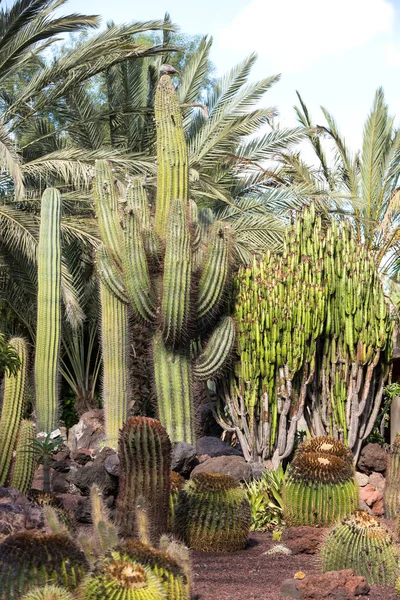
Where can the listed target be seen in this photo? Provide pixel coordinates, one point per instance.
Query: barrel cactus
(145, 465)
(320, 486)
(360, 542)
(29, 559)
(164, 567)
(123, 580)
(177, 483)
(213, 513)
(392, 491)
(48, 592)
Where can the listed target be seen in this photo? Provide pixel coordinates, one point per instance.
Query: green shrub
(265, 500)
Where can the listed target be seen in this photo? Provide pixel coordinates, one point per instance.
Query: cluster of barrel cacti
(163, 273)
(320, 487)
(314, 331)
(213, 513)
(362, 543)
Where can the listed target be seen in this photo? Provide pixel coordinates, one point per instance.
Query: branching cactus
(24, 465)
(363, 544)
(213, 514)
(31, 559)
(162, 271)
(48, 331)
(392, 491)
(14, 401)
(319, 486)
(145, 465)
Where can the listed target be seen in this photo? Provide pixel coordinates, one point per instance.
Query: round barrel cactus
(30, 559)
(48, 592)
(121, 579)
(363, 544)
(213, 514)
(164, 567)
(320, 487)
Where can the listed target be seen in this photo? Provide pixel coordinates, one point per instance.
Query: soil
(252, 575)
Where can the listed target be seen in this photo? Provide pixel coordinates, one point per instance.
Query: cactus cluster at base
(392, 490)
(145, 465)
(31, 559)
(320, 486)
(213, 514)
(363, 544)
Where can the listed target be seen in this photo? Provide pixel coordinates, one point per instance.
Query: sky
(336, 53)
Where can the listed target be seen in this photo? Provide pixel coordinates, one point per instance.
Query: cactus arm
(173, 383)
(215, 272)
(172, 157)
(136, 271)
(106, 206)
(110, 274)
(13, 406)
(48, 332)
(175, 304)
(23, 468)
(114, 343)
(212, 361)
(136, 198)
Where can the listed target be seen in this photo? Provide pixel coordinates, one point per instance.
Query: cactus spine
(319, 486)
(363, 544)
(314, 339)
(24, 466)
(48, 592)
(14, 401)
(153, 268)
(114, 344)
(213, 514)
(48, 329)
(145, 462)
(392, 491)
(31, 559)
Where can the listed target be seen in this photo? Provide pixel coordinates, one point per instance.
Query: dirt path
(251, 575)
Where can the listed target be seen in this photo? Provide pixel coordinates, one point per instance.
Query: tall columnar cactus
(151, 268)
(31, 559)
(114, 345)
(363, 544)
(314, 341)
(48, 329)
(14, 402)
(48, 592)
(121, 580)
(145, 463)
(24, 465)
(392, 491)
(320, 486)
(213, 514)
(164, 567)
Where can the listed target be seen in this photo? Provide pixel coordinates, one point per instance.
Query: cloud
(293, 34)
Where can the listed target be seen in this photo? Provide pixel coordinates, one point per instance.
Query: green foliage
(9, 357)
(362, 543)
(319, 486)
(265, 497)
(145, 464)
(310, 333)
(31, 559)
(42, 451)
(213, 514)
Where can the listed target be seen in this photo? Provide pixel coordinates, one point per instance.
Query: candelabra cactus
(14, 402)
(213, 514)
(48, 331)
(392, 491)
(31, 559)
(151, 269)
(164, 567)
(48, 592)
(122, 579)
(314, 340)
(319, 486)
(363, 544)
(24, 465)
(145, 465)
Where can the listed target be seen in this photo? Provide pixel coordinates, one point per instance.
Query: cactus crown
(128, 574)
(43, 498)
(146, 555)
(48, 592)
(327, 445)
(177, 482)
(323, 460)
(214, 482)
(370, 526)
(42, 547)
